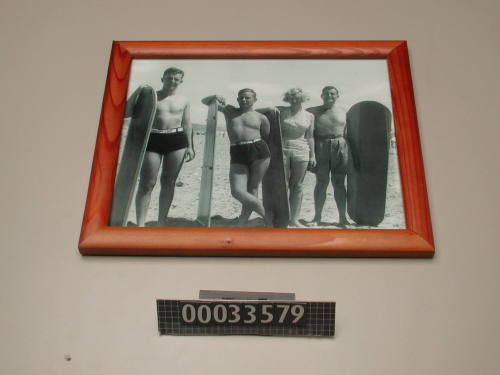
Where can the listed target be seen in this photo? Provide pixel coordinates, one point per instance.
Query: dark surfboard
(368, 129)
(207, 172)
(274, 192)
(133, 156)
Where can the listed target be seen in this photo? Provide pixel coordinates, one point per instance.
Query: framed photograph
(282, 148)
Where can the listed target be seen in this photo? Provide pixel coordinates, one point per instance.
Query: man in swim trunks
(331, 153)
(250, 156)
(169, 144)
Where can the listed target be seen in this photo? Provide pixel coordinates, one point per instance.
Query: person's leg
(322, 172)
(246, 211)
(287, 159)
(238, 179)
(147, 181)
(340, 194)
(286, 166)
(339, 173)
(256, 173)
(297, 174)
(322, 181)
(172, 164)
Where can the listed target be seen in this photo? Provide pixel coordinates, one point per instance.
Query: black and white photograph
(250, 188)
(258, 143)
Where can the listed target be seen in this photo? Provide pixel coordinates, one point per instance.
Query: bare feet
(162, 223)
(313, 223)
(295, 224)
(343, 223)
(242, 221)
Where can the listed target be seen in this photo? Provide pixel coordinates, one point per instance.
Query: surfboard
(207, 172)
(368, 129)
(274, 192)
(133, 155)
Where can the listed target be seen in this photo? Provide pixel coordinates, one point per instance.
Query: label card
(224, 317)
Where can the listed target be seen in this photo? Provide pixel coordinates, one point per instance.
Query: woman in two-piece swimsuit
(297, 128)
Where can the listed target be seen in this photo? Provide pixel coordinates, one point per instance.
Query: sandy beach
(183, 211)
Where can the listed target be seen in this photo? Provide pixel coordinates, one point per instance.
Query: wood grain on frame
(97, 238)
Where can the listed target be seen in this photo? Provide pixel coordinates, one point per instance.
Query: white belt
(167, 131)
(246, 142)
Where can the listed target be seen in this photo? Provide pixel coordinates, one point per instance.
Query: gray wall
(436, 316)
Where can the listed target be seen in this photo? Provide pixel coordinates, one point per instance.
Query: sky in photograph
(357, 80)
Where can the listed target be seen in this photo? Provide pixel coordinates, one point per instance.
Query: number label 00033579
(248, 313)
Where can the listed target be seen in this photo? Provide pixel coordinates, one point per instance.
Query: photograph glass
(253, 143)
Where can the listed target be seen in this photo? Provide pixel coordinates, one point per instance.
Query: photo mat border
(98, 238)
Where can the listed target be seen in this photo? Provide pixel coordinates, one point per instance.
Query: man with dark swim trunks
(250, 156)
(169, 144)
(331, 153)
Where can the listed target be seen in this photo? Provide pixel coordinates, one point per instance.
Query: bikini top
(294, 126)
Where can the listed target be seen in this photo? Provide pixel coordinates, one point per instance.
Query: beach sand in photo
(225, 208)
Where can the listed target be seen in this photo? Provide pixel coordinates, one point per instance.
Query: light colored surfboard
(133, 156)
(207, 172)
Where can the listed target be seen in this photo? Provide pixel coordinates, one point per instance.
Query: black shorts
(164, 143)
(248, 153)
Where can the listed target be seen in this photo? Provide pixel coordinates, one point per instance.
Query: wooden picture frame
(416, 240)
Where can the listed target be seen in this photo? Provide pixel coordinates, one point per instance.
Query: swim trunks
(164, 142)
(297, 150)
(332, 155)
(246, 153)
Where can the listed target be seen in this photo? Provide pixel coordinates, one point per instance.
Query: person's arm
(221, 101)
(265, 128)
(132, 101)
(188, 130)
(352, 151)
(268, 109)
(310, 140)
(311, 110)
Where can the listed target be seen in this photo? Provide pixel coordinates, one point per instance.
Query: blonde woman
(297, 129)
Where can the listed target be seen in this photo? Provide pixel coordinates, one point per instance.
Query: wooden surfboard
(274, 192)
(207, 172)
(133, 155)
(368, 129)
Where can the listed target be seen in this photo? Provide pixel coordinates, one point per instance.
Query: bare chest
(171, 107)
(331, 118)
(247, 120)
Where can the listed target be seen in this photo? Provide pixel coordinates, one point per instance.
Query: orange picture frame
(416, 240)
